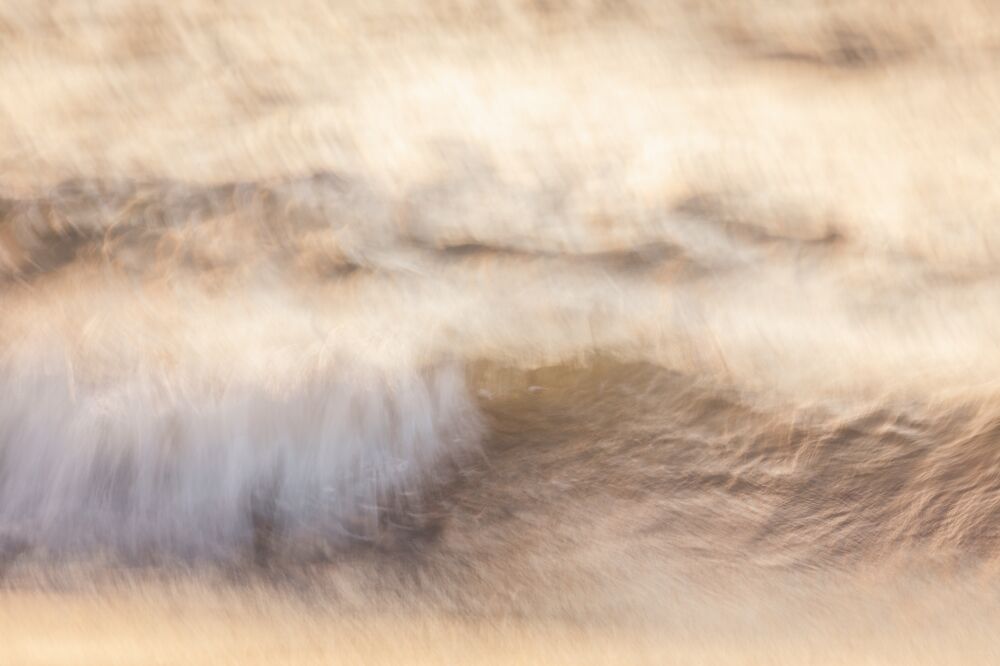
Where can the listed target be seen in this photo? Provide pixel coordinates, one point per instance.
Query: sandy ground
(208, 627)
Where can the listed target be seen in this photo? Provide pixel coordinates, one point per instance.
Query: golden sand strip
(201, 626)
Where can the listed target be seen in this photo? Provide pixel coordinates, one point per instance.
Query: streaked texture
(554, 324)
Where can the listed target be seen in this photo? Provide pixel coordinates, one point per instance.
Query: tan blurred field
(203, 630)
(551, 331)
(744, 134)
(191, 626)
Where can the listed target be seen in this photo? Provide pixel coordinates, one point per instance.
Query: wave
(550, 307)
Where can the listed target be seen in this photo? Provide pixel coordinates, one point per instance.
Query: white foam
(151, 462)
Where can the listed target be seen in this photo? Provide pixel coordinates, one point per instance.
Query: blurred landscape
(551, 331)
